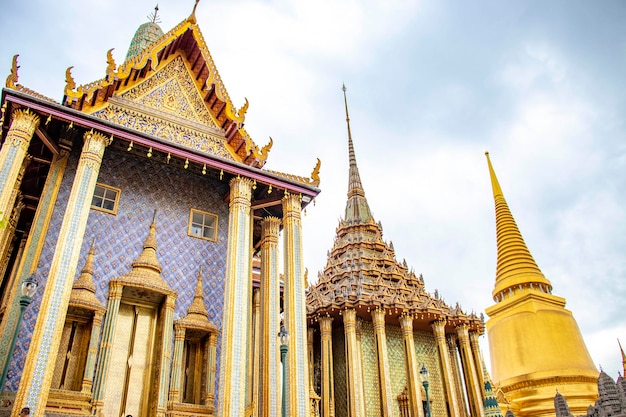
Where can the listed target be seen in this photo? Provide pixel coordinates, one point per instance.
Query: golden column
(256, 349)
(32, 251)
(113, 308)
(295, 308)
(478, 361)
(457, 374)
(209, 397)
(166, 353)
(232, 382)
(448, 381)
(384, 380)
(177, 362)
(92, 353)
(37, 374)
(269, 403)
(354, 373)
(328, 388)
(412, 367)
(469, 369)
(12, 155)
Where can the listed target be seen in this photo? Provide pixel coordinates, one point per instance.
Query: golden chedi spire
(516, 267)
(535, 344)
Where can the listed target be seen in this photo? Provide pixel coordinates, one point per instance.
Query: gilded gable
(168, 105)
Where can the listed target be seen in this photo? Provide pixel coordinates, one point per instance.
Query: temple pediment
(169, 106)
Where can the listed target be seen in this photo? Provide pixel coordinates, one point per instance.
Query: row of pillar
(354, 373)
(235, 375)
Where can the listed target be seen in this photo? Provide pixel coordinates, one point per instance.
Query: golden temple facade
(535, 345)
(137, 204)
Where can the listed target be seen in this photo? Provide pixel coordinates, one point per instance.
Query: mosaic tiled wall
(339, 372)
(428, 355)
(119, 238)
(397, 364)
(370, 370)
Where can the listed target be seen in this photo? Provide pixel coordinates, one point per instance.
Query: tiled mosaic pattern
(119, 238)
(428, 355)
(339, 372)
(370, 370)
(397, 364)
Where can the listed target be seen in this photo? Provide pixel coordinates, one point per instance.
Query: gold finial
(186, 163)
(192, 16)
(497, 191)
(70, 84)
(110, 71)
(221, 174)
(169, 156)
(12, 78)
(204, 169)
(623, 357)
(130, 146)
(315, 175)
(48, 119)
(149, 154)
(153, 17)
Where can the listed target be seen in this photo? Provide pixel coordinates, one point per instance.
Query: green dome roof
(145, 35)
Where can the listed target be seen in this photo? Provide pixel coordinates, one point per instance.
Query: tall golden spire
(516, 269)
(357, 209)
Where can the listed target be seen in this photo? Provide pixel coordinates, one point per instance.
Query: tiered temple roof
(362, 271)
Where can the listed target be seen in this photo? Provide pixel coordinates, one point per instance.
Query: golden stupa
(535, 345)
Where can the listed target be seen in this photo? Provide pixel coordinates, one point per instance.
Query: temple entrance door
(131, 365)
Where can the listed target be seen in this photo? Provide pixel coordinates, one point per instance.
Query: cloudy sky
(431, 86)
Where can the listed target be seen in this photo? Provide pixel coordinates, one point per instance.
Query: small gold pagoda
(534, 342)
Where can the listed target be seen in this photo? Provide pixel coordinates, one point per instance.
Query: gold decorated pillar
(166, 354)
(12, 156)
(295, 308)
(209, 396)
(478, 361)
(37, 374)
(113, 308)
(328, 388)
(232, 381)
(457, 374)
(92, 353)
(32, 250)
(256, 356)
(177, 363)
(9, 227)
(269, 403)
(384, 379)
(444, 356)
(469, 370)
(412, 367)
(354, 372)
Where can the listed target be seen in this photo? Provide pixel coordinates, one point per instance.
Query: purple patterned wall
(119, 238)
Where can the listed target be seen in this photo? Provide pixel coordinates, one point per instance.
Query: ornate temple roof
(362, 271)
(516, 267)
(144, 86)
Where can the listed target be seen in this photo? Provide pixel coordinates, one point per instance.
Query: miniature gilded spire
(84, 290)
(357, 209)
(197, 307)
(515, 266)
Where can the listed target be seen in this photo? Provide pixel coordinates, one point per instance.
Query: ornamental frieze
(179, 134)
